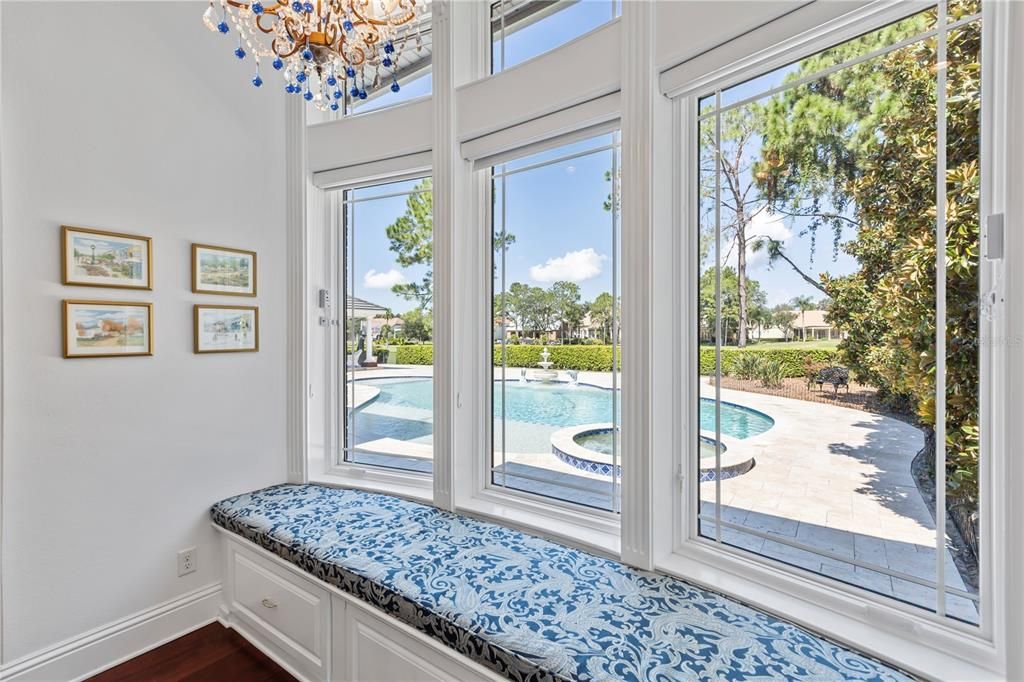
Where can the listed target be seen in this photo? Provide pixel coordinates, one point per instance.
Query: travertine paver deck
(839, 480)
(827, 477)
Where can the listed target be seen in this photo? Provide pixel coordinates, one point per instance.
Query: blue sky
(555, 238)
(556, 212)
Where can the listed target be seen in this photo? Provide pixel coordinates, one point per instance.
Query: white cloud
(574, 266)
(383, 280)
(764, 224)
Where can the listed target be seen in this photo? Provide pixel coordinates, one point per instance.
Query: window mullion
(718, 323)
(940, 312)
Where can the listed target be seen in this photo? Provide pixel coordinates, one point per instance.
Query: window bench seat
(523, 607)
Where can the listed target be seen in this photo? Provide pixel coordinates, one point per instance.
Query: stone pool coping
(735, 458)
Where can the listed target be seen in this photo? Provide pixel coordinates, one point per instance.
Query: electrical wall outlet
(186, 561)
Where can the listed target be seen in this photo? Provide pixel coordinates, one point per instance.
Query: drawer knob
(269, 604)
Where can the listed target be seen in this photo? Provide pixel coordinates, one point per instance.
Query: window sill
(592, 533)
(923, 647)
(410, 487)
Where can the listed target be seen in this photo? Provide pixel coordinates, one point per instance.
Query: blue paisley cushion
(525, 607)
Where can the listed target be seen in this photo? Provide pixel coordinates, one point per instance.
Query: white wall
(132, 117)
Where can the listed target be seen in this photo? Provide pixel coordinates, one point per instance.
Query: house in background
(811, 325)
(378, 324)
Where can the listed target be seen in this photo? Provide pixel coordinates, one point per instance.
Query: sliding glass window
(838, 313)
(556, 324)
(387, 392)
(523, 29)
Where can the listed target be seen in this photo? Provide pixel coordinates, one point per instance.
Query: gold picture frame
(222, 333)
(99, 325)
(228, 257)
(125, 260)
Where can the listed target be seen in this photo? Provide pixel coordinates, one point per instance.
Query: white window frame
(333, 469)
(544, 14)
(464, 106)
(926, 642)
(592, 529)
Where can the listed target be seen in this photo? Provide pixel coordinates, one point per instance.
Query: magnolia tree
(855, 153)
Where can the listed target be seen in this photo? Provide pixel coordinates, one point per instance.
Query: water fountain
(546, 374)
(522, 375)
(574, 377)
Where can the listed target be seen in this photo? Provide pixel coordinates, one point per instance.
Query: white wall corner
(107, 646)
(638, 93)
(297, 192)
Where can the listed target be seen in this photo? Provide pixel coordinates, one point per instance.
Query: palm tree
(803, 303)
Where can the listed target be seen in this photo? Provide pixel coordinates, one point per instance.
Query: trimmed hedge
(599, 358)
(583, 358)
(792, 359)
(413, 355)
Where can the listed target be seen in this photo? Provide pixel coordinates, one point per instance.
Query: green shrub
(792, 359)
(590, 358)
(746, 365)
(415, 355)
(582, 358)
(771, 371)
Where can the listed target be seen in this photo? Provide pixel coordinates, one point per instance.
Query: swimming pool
(404, 410)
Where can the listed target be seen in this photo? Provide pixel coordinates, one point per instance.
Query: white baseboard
(94, 651)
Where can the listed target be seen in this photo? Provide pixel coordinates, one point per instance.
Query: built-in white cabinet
(318, 632)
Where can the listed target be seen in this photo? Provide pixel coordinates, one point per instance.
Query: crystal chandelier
(323, 48)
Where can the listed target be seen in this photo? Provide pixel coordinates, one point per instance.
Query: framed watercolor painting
(96, 258)
(101, 329)
(227, 329)
(220, 270)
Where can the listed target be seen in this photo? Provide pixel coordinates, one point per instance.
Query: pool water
(601, 441)
(404, 410)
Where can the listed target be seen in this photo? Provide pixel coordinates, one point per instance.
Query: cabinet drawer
(291, 613)
(371, 646)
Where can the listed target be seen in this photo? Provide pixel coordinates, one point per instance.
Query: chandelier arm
(296, 45)
(361, 59)
(297, 37)
(268, 29)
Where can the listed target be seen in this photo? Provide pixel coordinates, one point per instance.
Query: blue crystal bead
(307, 54)
(389, 48)
(257, 81)
(301, 76)
(277, 64)
(308, 7)
(354, 92)
(386, 61)
(350, 72)
(222, 27)
(334, 106)
(362, 94)
(395, 87)
(347, 25)
(240, 53)
(338, 94)
(332, 81)
(297, 6)
(289, 88)
(257, 8)
(308, 96)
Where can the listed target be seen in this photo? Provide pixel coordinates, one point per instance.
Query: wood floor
(210, 654)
